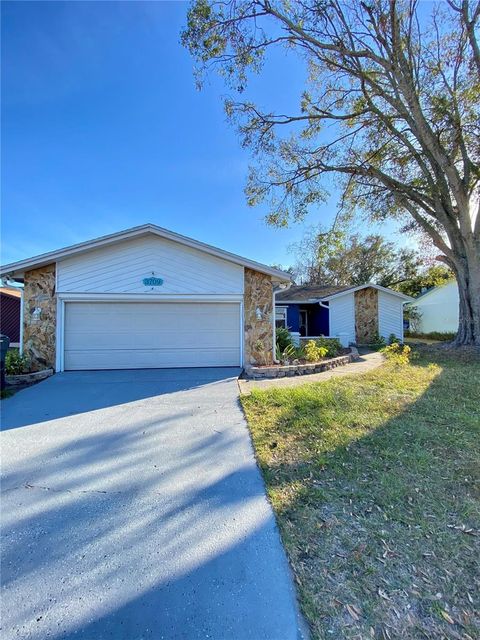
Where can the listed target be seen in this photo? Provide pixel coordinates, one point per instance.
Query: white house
(146, 298)
(438, 309)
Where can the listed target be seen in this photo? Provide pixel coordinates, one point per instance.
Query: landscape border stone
(281, 371)
(28, 378)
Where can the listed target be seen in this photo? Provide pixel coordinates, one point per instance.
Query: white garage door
(125, 335)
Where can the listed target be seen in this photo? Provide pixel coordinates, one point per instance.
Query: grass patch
(439, 336)
(373, 482)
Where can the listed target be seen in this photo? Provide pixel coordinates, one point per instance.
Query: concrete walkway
(367, 362)
(132, 508)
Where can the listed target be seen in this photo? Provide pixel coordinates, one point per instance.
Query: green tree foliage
(391, 107)
(433, 276)
(340, 259)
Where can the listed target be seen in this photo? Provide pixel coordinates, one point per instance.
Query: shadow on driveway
(72, 392)
(134, 509)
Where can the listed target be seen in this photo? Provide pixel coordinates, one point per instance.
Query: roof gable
(17, 268)
(369, 285)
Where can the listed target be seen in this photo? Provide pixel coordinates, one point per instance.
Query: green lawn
(373, 482)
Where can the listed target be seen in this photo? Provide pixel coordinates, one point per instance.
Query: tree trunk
(467, 273)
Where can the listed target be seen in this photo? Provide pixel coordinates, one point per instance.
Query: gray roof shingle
(308, 292)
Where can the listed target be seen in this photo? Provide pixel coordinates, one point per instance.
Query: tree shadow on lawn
(378, 522)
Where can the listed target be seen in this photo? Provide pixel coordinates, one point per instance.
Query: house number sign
(152, 282)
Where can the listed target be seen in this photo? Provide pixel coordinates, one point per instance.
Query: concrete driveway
(132, 508)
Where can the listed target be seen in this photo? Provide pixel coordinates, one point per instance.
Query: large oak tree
(391, 106)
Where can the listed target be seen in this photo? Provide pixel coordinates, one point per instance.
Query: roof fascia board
(90, 245)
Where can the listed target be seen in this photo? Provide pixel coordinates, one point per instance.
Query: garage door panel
(148, 359)
(84, 341)
(102, 335)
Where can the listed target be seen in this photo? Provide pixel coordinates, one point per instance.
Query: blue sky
(103, 129)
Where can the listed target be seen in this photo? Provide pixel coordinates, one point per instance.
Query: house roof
(17, 269)
(307, 293)
(317, 293)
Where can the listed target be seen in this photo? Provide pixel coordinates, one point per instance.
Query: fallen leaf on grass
(383, 594)
(354, 611)
(446, 617)
(463, 529)
(386, 633)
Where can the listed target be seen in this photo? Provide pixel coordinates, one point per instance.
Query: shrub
(289, 353)
(283, 338)
(16, 364)
(332, 345)
(378, 339)
(392, 338)
(378, 342)
(300, 352)
(398, 353)
(313, 352)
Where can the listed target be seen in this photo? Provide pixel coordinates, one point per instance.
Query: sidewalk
(367, 362)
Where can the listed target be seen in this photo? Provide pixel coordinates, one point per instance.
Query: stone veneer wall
(40, 317)
(258, 294)
(366, 315)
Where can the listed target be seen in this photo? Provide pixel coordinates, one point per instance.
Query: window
(281, 317)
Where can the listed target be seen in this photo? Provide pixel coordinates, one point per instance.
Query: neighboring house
(353, 314)
(438, 309)
(10, 312)
(146, 298)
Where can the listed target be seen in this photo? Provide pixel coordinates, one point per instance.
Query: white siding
(342, 316)
(120, 268)
(439, 309)
(390, 315)
(126, 335)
